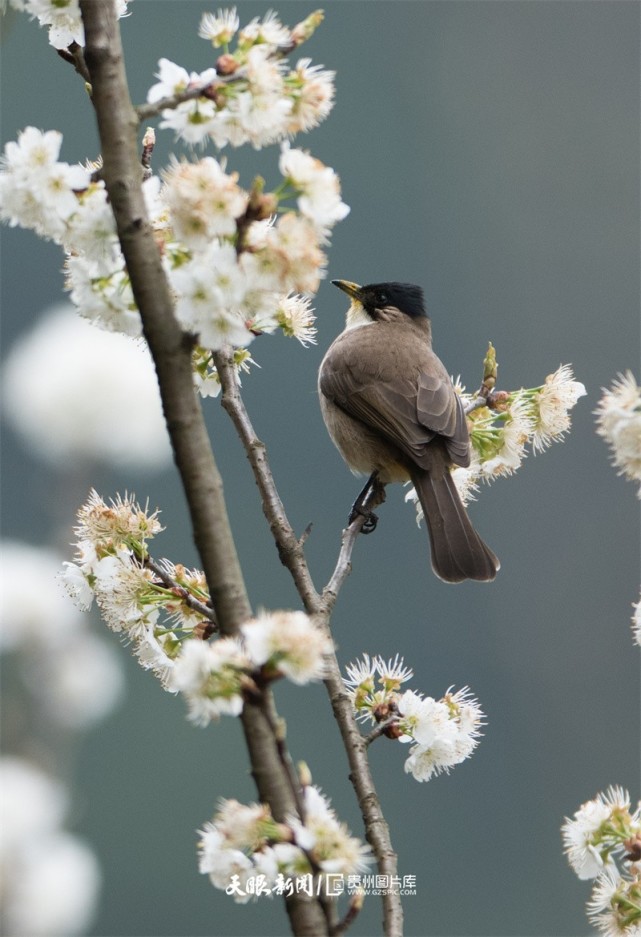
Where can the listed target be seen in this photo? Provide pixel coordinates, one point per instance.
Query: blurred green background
(490, 152)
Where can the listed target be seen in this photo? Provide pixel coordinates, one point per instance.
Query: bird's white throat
(356, 316)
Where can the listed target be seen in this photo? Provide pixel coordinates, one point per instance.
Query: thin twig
(290, 549)
(74, 54)
(184, 594)
(351, 914)
(381, 729)
(320, 606)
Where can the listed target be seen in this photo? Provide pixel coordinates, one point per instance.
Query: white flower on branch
(191, 120)
(125, 594)
(289, 643)
(499, 437)
(91, 232)
(446, 731)
(510, 451)
(268, 31)
(318, 187)
(312, 89)
(618, 418)
(211, 678)
(62, 17)
(210, 291)
(37, 191)
(204, 202)
(599, 828)
(295, 317)
(614, 908)
(245, 841)
(334, 848)
(555, 399)
(220, 28)
(122, 521)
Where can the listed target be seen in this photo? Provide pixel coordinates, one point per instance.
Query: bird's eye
(382, 297)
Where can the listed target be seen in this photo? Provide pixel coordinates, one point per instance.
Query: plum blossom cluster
(236, 270)
(603, 843)
(244, 842)
(240, 262)
(618, 417)
(500, 436)
(164, 610)
(62, 17)
(215, 678)
(250, 95)
(442, 732)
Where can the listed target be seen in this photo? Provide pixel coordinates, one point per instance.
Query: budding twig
(184, 594)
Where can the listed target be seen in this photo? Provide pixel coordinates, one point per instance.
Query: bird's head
(374, 301)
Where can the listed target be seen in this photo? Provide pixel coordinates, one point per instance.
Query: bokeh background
(490, 152)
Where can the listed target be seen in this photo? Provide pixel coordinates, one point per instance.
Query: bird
(391, 410)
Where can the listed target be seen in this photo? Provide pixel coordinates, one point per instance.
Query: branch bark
(171, 351)
(290, 550)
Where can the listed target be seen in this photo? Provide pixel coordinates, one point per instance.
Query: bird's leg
(370, 497)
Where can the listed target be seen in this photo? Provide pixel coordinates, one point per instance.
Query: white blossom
(334, 849)
(553, 403)
(204, 202)
(636, 623)
(445, 731)
(393, 673)
(109, 526)
(92, 231)
(516, 430)
(585, 836)
(35, 611)
(312, 89)
(288, 642)
(244, 826)
(77, 683)
(269, 31)
(619, 422)
(295, 317)
(151, 651)
(125, 594)
(614, 907)
(318, 185)
(191, 120)
(210, 676)
(62, 17)
(220, 28)
(37, 191)
(74, 393)
(210, 292)
(50, 879)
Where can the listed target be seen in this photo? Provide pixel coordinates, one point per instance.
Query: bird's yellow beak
(352, 289)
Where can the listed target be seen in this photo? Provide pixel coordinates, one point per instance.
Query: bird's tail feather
(458, 552)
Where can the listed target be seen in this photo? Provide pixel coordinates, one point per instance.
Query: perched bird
(392, 412)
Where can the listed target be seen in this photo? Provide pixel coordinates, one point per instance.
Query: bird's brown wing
(409, 399)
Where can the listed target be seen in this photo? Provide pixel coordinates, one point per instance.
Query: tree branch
(290, 550)
(171, 351)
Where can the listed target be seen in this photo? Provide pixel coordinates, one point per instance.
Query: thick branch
(117, 124)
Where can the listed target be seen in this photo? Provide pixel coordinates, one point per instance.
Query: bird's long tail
(458, 552)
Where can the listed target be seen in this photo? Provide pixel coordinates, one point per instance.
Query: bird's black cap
(406, 297)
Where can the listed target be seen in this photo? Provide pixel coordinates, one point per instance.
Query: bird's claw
(370, 522)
